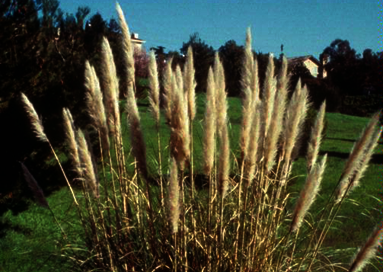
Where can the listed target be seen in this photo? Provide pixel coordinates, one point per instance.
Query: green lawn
(33, 235)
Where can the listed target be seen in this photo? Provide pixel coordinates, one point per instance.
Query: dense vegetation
(43, 56)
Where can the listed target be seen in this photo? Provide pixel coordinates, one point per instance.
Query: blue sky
(303, 27)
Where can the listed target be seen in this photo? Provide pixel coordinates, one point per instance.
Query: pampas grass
(315, 138)
(189, 83)
(367, 251)
(95, 105)
(359, 158)
(243, 220)
(154, 97)
(72, 143)
(35, 120)
(210, 124)
(35, 188)
(308, 194)
(168, 90)
(88, 169)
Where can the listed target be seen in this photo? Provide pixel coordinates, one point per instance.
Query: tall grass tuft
(243, 216)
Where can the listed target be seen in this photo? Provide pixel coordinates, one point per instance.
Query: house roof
(301, 59)
(138, 40)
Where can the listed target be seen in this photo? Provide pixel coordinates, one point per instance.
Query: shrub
(241, 222)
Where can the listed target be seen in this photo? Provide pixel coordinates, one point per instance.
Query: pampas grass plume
(174, 195)
(72, 143)
(95, 104)
(209, 124)
(168, 90)
(308, 194)
(356, 155)
(154, 96)
(220, 101)
(224, 161)
(87, 162)
(136, 136)
(189, 83)
(35, 120)
(316, 137)
(347, 185)
(367, 251)
(110, 87)
(34, 186)
(127, 47)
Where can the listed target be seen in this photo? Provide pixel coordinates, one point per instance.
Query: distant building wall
(137, 43)
(313, 67)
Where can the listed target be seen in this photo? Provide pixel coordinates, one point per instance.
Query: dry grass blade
(308, 194)
(209, 124)
(316, 137)
(34, 186)
(35, 120)
(367, 251)
(154, 96)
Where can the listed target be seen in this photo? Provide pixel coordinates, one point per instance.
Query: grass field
(33, 242)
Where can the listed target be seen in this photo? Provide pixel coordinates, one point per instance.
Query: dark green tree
(343, 67)
(231, 56)
(95, 29)
(203, 58)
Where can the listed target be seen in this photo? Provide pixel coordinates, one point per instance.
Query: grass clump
(242, 221)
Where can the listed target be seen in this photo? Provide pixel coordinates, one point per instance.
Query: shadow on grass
(341, 139)
(376, 158)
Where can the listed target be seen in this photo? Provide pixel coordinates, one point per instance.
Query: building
(315, 67)
(136, 41)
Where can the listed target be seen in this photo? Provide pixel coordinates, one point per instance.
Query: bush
(362, 105)
(241, 222)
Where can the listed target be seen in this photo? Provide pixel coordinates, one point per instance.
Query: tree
(343, 67)
(95, 29)
(203, 55)
(231, 56)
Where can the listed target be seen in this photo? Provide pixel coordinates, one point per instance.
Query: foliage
(203, 58)
(353, 74)
(231, 56)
